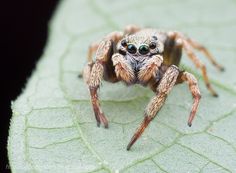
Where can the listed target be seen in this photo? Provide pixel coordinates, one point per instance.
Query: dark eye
(124, 43)
(132, 49)
(143, 49)
(152, 45)
(154, 37)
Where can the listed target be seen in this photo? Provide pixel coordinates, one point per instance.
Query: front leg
(123, 69)
(165, 86)
(95, 76)
(150, 68)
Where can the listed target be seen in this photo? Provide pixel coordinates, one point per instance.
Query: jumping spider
(148, 57)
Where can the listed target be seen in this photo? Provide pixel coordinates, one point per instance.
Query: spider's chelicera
(148, 57)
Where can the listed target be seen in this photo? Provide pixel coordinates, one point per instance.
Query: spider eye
(132, 49)
(124, 43)
(152, 45)
(154, 37)
(143, 49)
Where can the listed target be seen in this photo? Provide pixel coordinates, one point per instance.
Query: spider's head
(138, 47)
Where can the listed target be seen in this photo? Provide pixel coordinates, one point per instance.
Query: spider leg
(123, 69)
(187, 48)
(194, 89)
(131, 29)
(92, 49)
(114, 36)
(87, 69)
(87, 72)
(165, 86)
(94, 79)
(150, 69)
(95, 71)
(202, 49)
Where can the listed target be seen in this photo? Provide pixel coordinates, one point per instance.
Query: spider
(148, 57)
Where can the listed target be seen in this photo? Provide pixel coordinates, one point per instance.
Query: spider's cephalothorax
(147, 57)
(139, 51)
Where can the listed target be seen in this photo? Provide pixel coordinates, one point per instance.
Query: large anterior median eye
(132, 49)
(143, 49)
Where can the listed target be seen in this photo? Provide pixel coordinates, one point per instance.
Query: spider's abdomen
(172, 52)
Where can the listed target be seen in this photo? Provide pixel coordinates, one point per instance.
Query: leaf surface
(53, 128)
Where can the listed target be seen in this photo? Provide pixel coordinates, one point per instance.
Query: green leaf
(53, 128)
